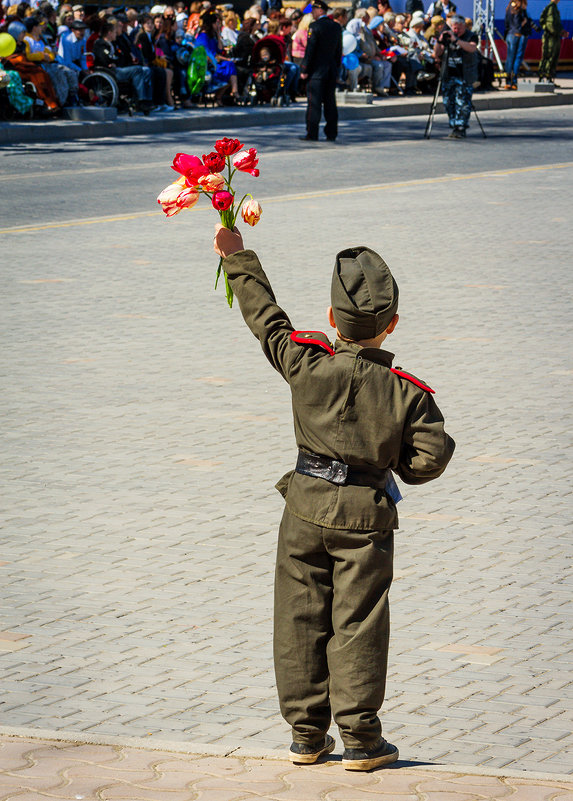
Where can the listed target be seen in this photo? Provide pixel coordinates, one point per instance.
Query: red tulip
(246, 161)
(222, 201)
(214, 162)
(190, 166)
(227, 147)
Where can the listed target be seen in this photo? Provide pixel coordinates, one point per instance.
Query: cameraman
(457, 47)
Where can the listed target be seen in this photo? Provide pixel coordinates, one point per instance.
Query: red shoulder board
(411, 378)
(312, 338)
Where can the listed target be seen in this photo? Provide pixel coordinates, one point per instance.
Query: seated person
(72, 48)
(378, 28)
(65, 19)
(64, 80)
(267, 67)
(432, 33)
(420, 52)
(17, 98)
(106, 57)
(30, 71)
(292, 70)
(194, 19)
(418, 41)
(182, 49)
(162, 77)
(181, 16)
(225, 73)
(229, 31)
(403, 65)
(50, 27)
(371, 56)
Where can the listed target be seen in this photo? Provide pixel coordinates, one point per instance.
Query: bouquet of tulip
(207, 176)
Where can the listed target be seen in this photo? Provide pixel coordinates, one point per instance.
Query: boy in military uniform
(356, 420)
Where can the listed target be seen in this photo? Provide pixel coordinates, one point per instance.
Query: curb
(232, 119)
(200, 749)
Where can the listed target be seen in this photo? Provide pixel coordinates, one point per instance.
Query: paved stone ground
(143, 433)
(33, 770)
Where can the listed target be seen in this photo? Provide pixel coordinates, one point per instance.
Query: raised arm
(268, 322)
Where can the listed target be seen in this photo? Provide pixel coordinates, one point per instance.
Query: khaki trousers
(551, 47)
(331, 629)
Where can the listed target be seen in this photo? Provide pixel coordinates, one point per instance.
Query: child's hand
(227, 242)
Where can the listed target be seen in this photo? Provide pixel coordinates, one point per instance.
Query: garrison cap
(364, 294)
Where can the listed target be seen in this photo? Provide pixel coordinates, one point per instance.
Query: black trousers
(320, 91)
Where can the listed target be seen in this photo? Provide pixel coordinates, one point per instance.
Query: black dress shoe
(303, 754)
(383, 753)
(308, 139)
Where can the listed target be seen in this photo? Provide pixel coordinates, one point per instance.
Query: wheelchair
(106, 91)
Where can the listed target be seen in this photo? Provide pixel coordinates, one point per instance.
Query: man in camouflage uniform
(356, 420)
(458, 47)
(553, 32)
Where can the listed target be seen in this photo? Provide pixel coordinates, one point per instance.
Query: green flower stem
(230, 173)
(228, 291)
(239, 207)
(226, 218)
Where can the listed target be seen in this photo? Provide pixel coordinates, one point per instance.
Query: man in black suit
(321, 64)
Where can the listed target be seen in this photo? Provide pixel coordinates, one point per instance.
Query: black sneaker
(383, 753)
(303, 754)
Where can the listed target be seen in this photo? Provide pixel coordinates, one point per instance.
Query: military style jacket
(347, 405)
(550, 20)
(323, 54)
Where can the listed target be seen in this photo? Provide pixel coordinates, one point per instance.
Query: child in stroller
(268, 80)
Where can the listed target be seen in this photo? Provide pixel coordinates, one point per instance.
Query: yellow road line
(81, 171)
(351, 190)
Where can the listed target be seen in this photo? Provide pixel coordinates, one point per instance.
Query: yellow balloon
(7, 45)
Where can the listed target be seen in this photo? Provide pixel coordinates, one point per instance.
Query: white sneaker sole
(309, 759)
(369, 764)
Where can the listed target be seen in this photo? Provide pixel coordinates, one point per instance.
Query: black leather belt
(311, 464)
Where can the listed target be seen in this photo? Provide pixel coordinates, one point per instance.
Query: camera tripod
(443, 68)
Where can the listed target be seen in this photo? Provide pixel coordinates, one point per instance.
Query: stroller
(267, 82)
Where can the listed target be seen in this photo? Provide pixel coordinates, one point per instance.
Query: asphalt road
(114, 176)
(143, 432)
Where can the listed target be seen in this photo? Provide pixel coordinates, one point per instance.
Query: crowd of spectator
(149, 52)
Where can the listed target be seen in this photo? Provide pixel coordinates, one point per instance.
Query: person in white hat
(419, 52)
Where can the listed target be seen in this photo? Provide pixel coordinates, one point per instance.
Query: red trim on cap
(411, 378)
(297, 337)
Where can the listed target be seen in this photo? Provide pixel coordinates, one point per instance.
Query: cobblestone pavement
(143, 432)
(34, 770)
